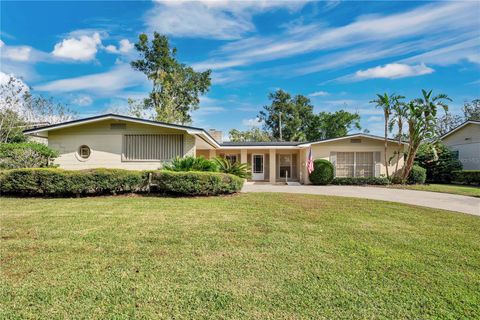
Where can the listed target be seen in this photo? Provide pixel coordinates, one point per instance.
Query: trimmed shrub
(58, 182)
(196, 183)
(25, 155)
(467, 177)
(417, 175)
(191, 164)
(439, 161)
(359, 181)
(322, 173)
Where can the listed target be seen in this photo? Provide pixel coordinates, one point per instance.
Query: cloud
(253, 123)
(80, 47)
(391, 71)
(16, 53)
(225, 20)
(82, 100)
(124, 46)
(439, 24)
(318, 94)
(118, 78)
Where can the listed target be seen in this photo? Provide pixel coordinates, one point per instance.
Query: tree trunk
(386, 144)
(412, 152)
(400, 131)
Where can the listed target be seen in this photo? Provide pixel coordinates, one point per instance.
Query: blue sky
(339, 53)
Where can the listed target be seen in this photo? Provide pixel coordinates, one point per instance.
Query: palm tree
(399, 111)
(422, 118)
(386, 103)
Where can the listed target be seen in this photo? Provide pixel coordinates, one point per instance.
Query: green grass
(444, 188)
(250, 256)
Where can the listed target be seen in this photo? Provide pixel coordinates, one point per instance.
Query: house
(464, 141)
(116, 141)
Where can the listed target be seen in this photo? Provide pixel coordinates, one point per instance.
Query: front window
(355, 164)
(232, 158)
(152, 147)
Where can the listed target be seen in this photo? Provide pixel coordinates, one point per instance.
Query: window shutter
(333, 160)
(378, 164)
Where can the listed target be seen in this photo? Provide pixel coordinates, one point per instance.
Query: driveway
(435, 200)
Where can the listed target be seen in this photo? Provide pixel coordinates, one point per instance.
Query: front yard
(443, 188)
(245, 256)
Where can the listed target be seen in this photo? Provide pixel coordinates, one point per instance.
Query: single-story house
(464, 141)
(117, 141)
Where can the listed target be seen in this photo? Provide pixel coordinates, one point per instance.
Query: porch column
(212, 153)
(243, 156)
(272, 166)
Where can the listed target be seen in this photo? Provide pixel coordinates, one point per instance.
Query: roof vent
(355, 140)
(118, 126)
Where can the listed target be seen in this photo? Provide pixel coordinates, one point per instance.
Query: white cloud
(436, 23)
(105, 83)
(253, 123)
(224, 20)
(82, 100)
(319, 94)
(78, 47)
(124, 46)
(392, 71)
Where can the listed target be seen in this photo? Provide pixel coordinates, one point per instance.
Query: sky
(338, 53)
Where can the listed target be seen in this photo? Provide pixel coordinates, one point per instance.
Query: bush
(191, 164)
(58, 182)
(467, 176)
(25, 155)
(196, 183)
(322, 172)
(439, 161)
(357, 181)
(238, 169)
(417, 175)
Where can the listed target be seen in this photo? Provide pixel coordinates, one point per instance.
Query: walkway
(435, 200)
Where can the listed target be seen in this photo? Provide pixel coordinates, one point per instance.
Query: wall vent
(355, 140)
(118, 126)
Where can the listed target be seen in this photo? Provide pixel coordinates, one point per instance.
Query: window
(345, 164)
(257, 163)
(84, 152)
(456, 154)
(355, 164)
(152, 147)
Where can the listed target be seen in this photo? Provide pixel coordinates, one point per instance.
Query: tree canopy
(176, 87)
(254, 134)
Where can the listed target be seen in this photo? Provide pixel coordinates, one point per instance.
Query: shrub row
(196, 183)
(357, 181)
(467, 176)
(58, 182)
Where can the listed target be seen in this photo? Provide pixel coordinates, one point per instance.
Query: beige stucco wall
(323, 150)
(106, 145)
(467, 142)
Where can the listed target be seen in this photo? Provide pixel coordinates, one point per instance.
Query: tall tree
(176, 87)
(386, 103)
(399, 114)
(421, 118)
(328, 125)
(471, 110)
(286, 117)
(254, 134)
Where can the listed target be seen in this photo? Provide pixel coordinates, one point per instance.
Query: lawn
(249, 256)
(444, 188)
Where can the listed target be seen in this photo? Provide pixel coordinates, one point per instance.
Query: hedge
(322, 173)
(58, 182)
(196, 183)
(467, 176)
(358, 181)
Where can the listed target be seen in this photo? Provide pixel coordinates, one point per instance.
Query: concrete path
(436, 200)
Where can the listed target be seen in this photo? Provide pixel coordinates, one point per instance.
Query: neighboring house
(115, 141)
(464, 141)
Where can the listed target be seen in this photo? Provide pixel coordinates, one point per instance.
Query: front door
(258, 167)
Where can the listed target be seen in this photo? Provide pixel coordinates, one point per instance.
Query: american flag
(310, 161)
